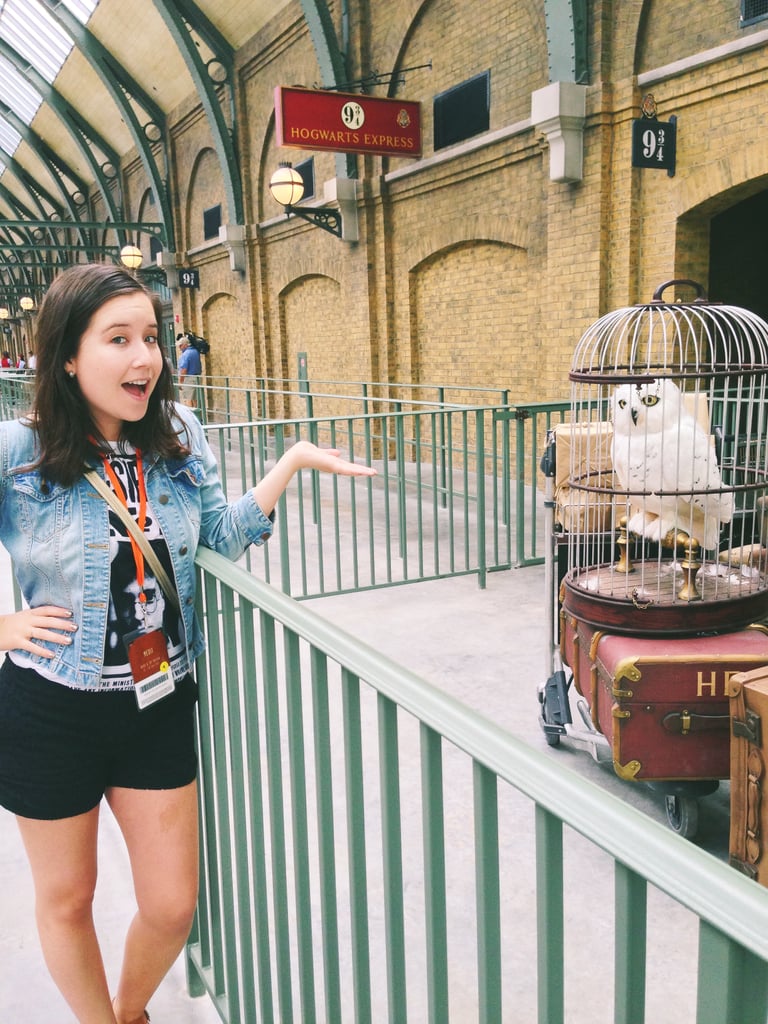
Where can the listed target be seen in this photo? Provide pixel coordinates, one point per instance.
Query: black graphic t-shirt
(126, 613)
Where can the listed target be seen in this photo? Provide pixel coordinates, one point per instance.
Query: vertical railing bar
(370, 496)
(482, 560)
(402, 509)
(465, 496)
(385, 424)
(550, 917)
(433, 827)
(336, 520)
(419, 493)
(451, 490)
(326, 835)
(394, 915)
(276, 816)
(236, 857)
(282, 517)
(630, 927)
(436, 421)
(358, 873)
(355, 542)
(208, 863)
(260, 891)
(298, 775)
(732, 982)
(216, 742)
(488, 894)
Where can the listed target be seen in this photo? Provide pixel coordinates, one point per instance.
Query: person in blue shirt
(78, 724)
(190, 368)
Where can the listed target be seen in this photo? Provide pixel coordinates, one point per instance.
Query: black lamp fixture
(287, 188)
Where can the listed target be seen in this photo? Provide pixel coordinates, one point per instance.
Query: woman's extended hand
(327, 460)
(19, 631)
(303, 455)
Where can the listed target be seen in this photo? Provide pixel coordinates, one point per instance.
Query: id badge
(150, 666)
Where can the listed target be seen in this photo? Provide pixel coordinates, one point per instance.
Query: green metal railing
(441, 504)
(458, 490)
(357, 833)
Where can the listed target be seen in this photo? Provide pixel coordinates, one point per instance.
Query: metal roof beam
(84, 134)
(567, 40)
(126, 92)
(183, 18)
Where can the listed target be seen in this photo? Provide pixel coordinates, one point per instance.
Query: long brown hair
(60, 414)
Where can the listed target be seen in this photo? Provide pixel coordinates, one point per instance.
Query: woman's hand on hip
(23, 631)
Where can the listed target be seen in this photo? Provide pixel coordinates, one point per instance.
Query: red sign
(346, 122)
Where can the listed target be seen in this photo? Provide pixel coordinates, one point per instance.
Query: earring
(70, 373)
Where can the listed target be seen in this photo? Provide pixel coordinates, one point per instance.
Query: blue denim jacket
(58, 539)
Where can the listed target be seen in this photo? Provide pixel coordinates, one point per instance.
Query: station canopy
(85, 84)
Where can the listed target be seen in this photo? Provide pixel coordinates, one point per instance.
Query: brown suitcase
(662, 703)
(749, 812)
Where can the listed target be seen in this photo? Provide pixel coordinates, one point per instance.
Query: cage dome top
(694, 340)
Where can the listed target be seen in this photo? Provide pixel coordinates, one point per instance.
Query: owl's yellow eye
(622, 403)
(650, 400)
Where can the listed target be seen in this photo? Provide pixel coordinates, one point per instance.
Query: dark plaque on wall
(189, 278)
(654, 143)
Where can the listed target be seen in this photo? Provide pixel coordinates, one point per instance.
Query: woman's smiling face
(118, 362)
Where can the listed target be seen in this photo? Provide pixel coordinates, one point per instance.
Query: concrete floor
(485, 647)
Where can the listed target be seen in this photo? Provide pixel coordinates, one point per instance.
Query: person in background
(5, 361)
(190, 368)
(31, 360)
(97, 705)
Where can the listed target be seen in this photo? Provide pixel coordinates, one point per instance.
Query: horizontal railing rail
(373, 851)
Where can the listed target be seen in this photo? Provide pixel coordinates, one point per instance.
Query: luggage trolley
(656, 515)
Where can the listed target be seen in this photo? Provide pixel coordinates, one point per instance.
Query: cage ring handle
(701, 295)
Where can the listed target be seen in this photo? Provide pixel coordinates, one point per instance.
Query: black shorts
(61, 748)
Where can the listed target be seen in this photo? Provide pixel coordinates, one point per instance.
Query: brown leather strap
(683, 722)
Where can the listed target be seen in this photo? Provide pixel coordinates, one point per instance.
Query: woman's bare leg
(160, 830)
(62, 855)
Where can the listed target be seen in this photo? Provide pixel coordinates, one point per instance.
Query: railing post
(482, 563)
(550, 917)
(521, 415)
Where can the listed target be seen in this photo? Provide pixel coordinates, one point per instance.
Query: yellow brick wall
(474, 269)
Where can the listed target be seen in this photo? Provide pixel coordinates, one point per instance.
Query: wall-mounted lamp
(4, 313)
(130, 256)
(27, 303)
(287, 188)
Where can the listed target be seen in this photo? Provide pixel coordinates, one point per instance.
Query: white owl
(659, 446)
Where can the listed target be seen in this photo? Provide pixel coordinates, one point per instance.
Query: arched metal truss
(65, 171)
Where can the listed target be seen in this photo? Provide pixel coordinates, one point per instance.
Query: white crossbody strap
(146, 548)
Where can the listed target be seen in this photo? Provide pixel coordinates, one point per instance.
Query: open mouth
(138, 388)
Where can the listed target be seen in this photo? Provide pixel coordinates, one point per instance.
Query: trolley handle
(701, 295)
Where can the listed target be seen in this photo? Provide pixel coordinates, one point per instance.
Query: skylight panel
(82, 9)
(20, 96)
(30, 30)
(9, 137)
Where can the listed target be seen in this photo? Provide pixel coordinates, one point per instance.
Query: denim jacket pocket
(42, 508)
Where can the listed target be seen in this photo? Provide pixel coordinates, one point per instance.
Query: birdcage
(663, 493)
(657, 569)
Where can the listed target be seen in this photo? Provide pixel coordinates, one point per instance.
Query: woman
(71, 726)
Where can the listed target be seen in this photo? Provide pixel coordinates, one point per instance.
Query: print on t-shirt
(125, 609)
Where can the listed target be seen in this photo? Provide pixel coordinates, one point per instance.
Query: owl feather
(659, 446)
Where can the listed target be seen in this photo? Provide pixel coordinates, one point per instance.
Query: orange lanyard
(117, 487)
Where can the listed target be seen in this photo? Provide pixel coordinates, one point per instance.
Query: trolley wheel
(552, 738)
(682, 814)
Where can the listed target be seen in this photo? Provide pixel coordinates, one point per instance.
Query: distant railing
(441, 504)
(458, 490)
(375, 851)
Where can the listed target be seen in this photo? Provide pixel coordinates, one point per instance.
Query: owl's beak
(633, 414)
